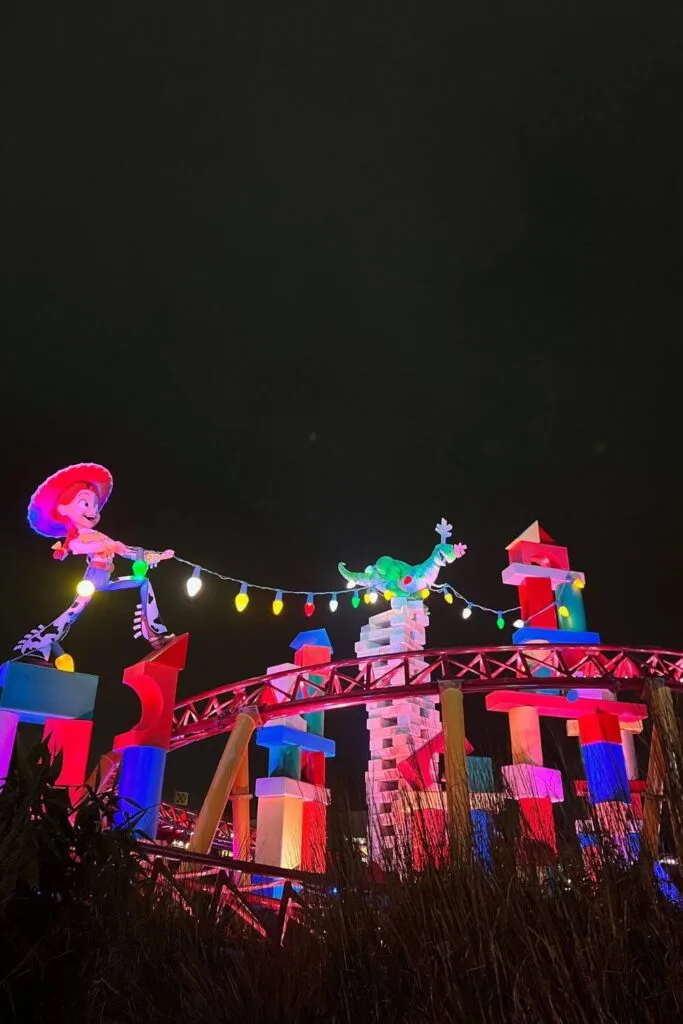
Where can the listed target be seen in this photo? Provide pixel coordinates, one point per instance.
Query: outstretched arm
(139, 554)
(95, 543)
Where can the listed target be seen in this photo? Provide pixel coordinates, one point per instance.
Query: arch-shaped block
(155, 681)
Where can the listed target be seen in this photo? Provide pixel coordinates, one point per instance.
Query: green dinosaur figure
(401, 579)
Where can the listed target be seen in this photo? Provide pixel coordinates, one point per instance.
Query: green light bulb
(355, 600)
(139, 569)
(500, 622)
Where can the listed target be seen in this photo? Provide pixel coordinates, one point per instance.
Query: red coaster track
(418, 673)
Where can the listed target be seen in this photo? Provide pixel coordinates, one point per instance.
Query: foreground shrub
(85, 938)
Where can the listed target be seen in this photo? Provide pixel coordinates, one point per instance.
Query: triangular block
(534, 534)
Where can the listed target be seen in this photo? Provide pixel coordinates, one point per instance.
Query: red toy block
(312, 655)
(314, 837)
(429, 837)
(69, 737)
(599, 727)
(537, 822)
(537, 603)
(155, 681)
(530, 553)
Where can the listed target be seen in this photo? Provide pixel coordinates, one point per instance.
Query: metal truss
(386, 677)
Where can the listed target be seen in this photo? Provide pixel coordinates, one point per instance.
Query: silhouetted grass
(85, 938)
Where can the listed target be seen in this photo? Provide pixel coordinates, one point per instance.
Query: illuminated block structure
(608, 787)
(292, 800)
(143, 748)
(551, 604)
(62, 702)
(397, 728)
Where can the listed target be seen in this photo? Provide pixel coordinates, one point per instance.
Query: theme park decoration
(68, 506)
(415, 704)
(394, 578)
(389, 578)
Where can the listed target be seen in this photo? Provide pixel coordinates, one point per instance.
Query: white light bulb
(350, 584)
(86, 588)
(334, 603)
(373, 596)
(518, 624)
(466, 612)
(194, 582)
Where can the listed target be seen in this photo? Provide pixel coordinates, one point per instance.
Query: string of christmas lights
(450, 594)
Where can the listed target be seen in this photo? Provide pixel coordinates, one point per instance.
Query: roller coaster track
(385, 677)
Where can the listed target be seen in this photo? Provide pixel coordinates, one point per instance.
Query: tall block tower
(397, 728)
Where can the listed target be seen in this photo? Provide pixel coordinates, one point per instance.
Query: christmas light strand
(370, 596)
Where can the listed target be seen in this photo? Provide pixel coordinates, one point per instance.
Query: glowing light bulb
(372, 597)
(349, 584)
(424, 593)
(578, 584)
(140, 568)
(563, 611)
(278, 603)
(366, 597)
(388, 594)
(448, 597)
(194, 582)
(518, 623)
(86, 588)
(309, 607)
(334, 603)
(500, 621)
(65, 663)
(467, 611)
(242, 599)
(355, 600)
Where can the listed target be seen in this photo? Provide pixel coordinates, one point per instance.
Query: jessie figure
(67, 506)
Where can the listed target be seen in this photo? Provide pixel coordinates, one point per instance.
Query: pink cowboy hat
(43, 516)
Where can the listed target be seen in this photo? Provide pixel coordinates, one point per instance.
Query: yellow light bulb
(242, 599)
(578, 584)
(564, 611)
(388, 594)
(366, 597)
(86, 588)
(448, 597)
(424, 594)
(277, 606)
(65, 663)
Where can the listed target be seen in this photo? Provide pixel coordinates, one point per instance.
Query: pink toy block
(531, 781)
(518, 573)
(9, 720)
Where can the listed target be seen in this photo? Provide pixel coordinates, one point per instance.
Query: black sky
(308, 276)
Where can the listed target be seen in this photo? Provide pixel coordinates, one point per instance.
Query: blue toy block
(528, 634)
(37, 692)
(480, 775)
(606, 773)
(482, 834)
(284, 735)
(141, 779)
(311, 638)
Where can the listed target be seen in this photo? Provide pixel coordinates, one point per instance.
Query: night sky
(307, 277)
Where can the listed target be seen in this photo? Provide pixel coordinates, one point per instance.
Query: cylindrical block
(8, 732)
(525, 736)
(457, 790)
(567, 595)
(70, 738)
(140, 783)
(228, 768)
